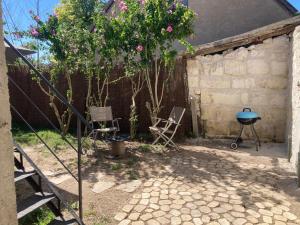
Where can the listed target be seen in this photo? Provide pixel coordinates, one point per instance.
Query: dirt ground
(198, 162)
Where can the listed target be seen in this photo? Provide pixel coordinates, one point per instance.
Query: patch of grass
(145, 148)
(75, 205)
(103, 220)
(116, 166)
(133, 175)
(41, 216)
(132, 161)
(145, 137)
(26, 137)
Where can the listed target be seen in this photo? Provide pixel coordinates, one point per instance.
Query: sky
(16, 13)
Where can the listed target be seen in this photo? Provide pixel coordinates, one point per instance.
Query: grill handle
(246, 109)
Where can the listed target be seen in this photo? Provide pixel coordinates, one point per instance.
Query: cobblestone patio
(205, 186)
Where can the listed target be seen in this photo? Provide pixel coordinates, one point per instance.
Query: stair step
(33, 202)
(21, 175)
(59, 221)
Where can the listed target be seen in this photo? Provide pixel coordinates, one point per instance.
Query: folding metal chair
(101, 117)
(166, 129)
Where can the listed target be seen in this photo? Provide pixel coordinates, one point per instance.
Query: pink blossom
(170, 29)
(142, 2)
(34, 32)
(139, 48)
(123, 6)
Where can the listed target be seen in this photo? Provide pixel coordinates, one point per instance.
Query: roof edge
(255, 36)
(288, 6)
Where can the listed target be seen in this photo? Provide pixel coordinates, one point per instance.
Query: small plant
(41, 216)
(75, 205)
(133, 175)
(103, 220)
(132, 161)
(145, 148)
(116, 166)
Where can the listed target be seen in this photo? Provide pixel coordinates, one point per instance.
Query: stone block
(193, 81)
(257, 52)
(243, 83)
(193, 68)
(281, 40)
(217, 129)
(215, 83)
(273, 83)
(206, 97)
(235, 67)
(279, 68)
(258, 67)
(242, 53)
(259, 98)
(245, 99)
(226, 98)
(217, 69)
(278, 100)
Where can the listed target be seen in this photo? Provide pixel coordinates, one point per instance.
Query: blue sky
(295, 3)
(16, 12)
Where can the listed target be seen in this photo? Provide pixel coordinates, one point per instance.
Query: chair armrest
(116, 119)
(160, 120)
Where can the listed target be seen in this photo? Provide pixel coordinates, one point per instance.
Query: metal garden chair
(102, 121)
(166, 129)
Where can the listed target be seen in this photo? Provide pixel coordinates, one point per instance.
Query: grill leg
(257, 141)
(238, 139)
(234, 145)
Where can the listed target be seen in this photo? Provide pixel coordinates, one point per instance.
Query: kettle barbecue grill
(246, 118)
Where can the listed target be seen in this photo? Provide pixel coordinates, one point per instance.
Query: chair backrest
(101, 114)
(176, 114)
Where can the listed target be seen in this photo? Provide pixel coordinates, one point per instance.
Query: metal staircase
(45, 193)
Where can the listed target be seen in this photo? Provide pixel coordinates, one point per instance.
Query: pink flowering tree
(148, 30)
(74, 36)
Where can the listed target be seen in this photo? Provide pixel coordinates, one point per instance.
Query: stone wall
(8, 215)
(294, 99)
(255, 77)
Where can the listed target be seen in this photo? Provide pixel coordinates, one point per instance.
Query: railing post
(79, 167)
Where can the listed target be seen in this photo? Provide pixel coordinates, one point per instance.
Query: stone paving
(211, 189)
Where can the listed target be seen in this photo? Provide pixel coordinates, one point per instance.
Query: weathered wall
(8, 215)
(294, 99)
(255, 77)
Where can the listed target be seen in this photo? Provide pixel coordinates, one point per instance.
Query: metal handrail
(80, 119)
(49, 85)
(41, 112)
(40, 138)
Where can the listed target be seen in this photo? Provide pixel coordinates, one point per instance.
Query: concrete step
(33, 202)
(21, 175)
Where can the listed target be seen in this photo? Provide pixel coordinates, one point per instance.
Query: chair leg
(95, 138)
(257, 141)
(156, 140)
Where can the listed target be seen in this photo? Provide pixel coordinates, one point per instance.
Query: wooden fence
(176, 94)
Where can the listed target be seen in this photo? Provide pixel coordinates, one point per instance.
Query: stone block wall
(255, 77)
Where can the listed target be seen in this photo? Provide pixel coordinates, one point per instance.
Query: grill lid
(246, 115)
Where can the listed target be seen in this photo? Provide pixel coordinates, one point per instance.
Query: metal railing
(80, 120)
